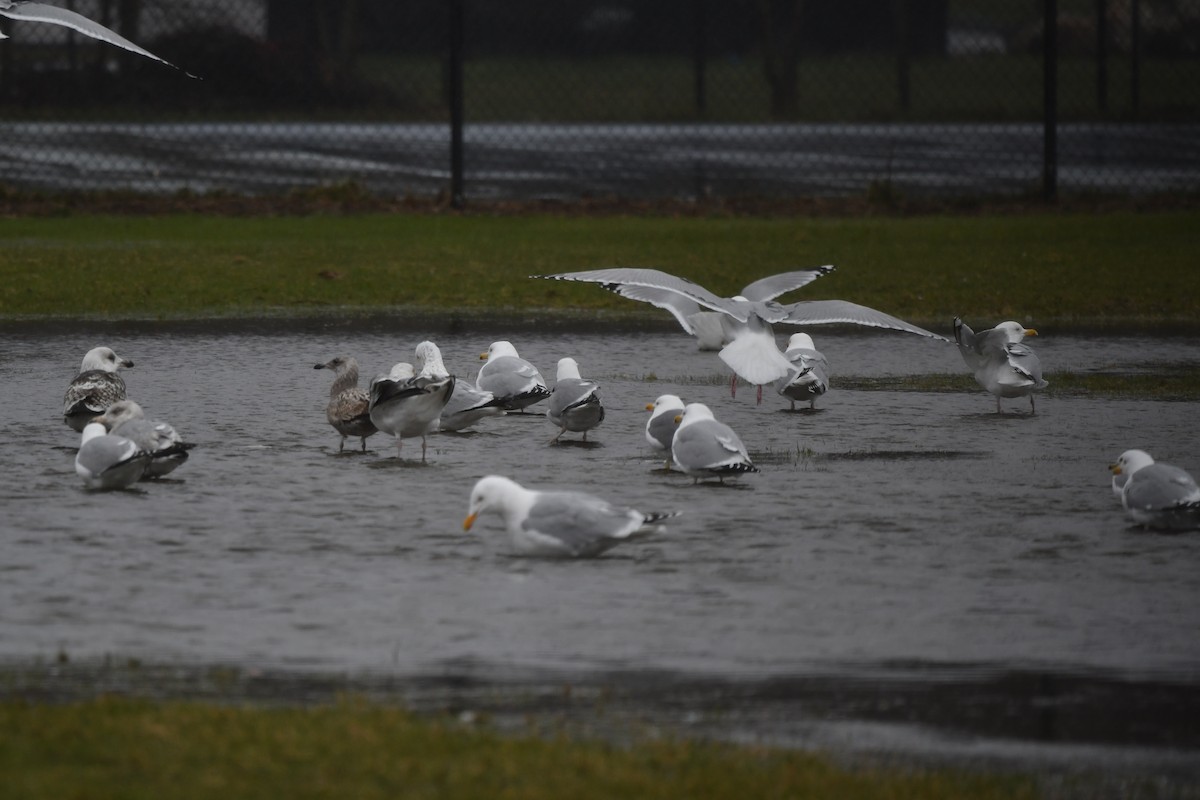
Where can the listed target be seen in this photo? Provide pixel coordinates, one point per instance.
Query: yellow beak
(1030, 332)
(483, 356)
(1116, 468)
(649, 406)
(469, 521)
(678, 418)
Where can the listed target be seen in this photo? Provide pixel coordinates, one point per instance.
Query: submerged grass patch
(1035, 268)
(110, 747)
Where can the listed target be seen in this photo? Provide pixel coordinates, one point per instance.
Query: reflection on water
(887, 528)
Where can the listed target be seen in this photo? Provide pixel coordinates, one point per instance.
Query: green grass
(116, 748)
(1115, 269)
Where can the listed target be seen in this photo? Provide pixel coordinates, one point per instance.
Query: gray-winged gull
(661, 426)
(468, 404)
(706, 448)
(348, 409)
(751, 351)
(406, 405)
(1157, 495)
(164, 444)
(41, 12)
(559, 524)
(513, 381)
(574, 403)
(107, 461)
(809, 377)
(95, 388)
(1002, 364)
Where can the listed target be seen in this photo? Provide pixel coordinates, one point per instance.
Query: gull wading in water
(42, 12)
(348, 409)
(95, 388)
(468, 404)
(1001, 362)
(706, 448)
(559, 524)
(106, 461)
(164, 444)
(750, 349)
(515, 382)
(1156, 495)
(808, 379)
(661, 427)
(406, 405)
(574, 403)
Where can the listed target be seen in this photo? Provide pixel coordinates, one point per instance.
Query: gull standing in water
(808, 379)
(661, 427)
(511, 379)
(574, 403)
(468, 404)
(41, 12)
(1001, 362)
(1156, 495)
(750, 351)
(406, 405)
(348, 409)
(95, 388)
(164, 444)
(559, 524)
(706, 448)
(106, 461)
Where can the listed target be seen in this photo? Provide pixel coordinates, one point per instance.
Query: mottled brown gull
(95, 388)
(348, 409)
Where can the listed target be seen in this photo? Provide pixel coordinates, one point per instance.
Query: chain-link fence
(571, 98)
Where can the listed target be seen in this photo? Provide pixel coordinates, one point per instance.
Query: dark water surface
(909, 540)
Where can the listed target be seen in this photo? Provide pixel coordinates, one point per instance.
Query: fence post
(1050, 100)
(455, 89)
(900, 11)
(700, 55)
(1102, 58)
(1135, 58)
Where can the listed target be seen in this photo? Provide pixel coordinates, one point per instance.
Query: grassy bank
(111, 748)
(1043, 269)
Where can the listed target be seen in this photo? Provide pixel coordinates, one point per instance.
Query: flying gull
(706, 448)
(1157, 495)
(559, 524)
(406, 405)
(1002, 363)
(661, 426)
(95, 388)
(574, 403)
(348, 409)
(164, 444)
(41, 12)
(511, 379)
(808, 378)
(106, 461)
(468, 404)
(751, 351)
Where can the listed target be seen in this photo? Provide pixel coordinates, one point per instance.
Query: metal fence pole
(455, 89)
(1050, 100)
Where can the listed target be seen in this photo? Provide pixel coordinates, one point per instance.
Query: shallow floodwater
(888, 527)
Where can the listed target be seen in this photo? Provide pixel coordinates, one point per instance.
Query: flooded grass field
(895, 538)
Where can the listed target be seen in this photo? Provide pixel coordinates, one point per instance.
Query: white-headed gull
(95, 388)
(574, 403)
(1002, 364)
(1157, 495)
(706, 448)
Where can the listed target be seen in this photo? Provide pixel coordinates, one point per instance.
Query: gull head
(694, 412)
(500, 348)
(118, 412)
(104, 359)
(1130, 462)
(1015, 331)
(492, 490)
(430, 359)
(568, 369)
(800, 340)
(339, 364)
(665, 403)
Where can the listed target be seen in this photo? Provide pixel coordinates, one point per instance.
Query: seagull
(574, 403)
(41, 12)
(468, 404)
(348, 410)
(705, 448)
(406, 405)
(808, 379)
(165, 446)
(750, 351)
(1157, 495)
(1001, 362)
(661, 427)
(95, 388)
(559, 524)
(514, 381)
(105, 461)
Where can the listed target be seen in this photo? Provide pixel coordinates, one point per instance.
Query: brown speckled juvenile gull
(348, 410)
(95, 388)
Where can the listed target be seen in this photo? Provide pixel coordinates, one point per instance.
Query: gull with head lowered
(750, 349)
